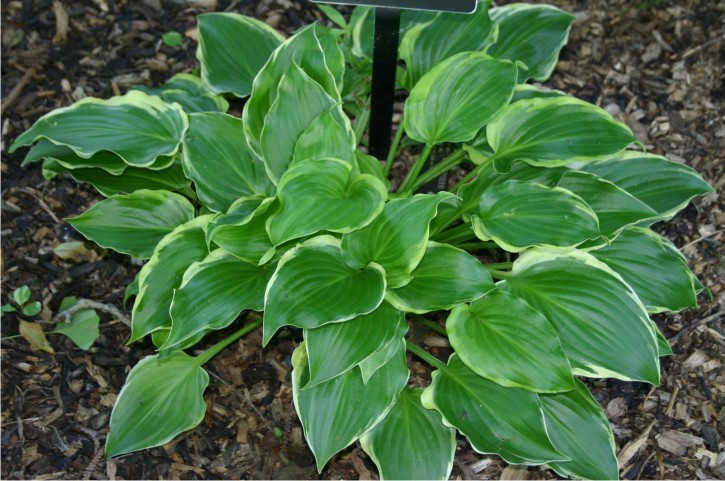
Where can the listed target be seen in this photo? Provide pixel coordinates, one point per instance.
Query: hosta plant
(280, 220)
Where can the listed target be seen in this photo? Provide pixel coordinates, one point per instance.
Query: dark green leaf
(241, 231)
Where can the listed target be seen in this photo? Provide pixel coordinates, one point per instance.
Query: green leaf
(217, 158)
(137, 127)
(336, 412)
(213, 292)
(313, 286)
(300, 100)
(396, 239)
(334, 349)
(32, 309)
(188, 91)
(446, 277)
(131, 290)
(457, 97)
(232, 50)
(425, 45)
(614, 207)
(162, 397)
(380, 358)
(653, 267)
(329, 135)
(333, 15)
(67, 158)
(7, 308)
(134, 223)
(504, 339)
(518, 215)
(503, 420)
(602, 325)
(162, 274)
(241, 231)
(370, 165)
(317, 195)
(21, 295)
(411, 442)
(664, 185)
(172, 39)
(663, 346)
(532, 34)
(552, 132)
(526, 91)
(579, 429)
(82, 329)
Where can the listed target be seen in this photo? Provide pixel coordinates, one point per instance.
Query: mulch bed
(656, 65)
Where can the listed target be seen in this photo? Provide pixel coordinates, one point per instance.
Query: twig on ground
(693, 325)
(17, 90)
(38, 197)
(702, 238)
(89, 304)
(703, 46)
(98, 452)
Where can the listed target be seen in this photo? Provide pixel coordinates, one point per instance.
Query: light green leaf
(333, 15)
(425, 45)
(32, 309)
(162, 397)
(212, 294)
(217, 158)
(526, 91)
(134, 223)
(503, 420)
(137, 127)
(552, 132)
(457, 97)
(380, 358)
(335, 413)
(241, 231)
(338, 347)
(370, 165)
(323, 194)
(518, 215)
(172, 39)
(411, 442)
(504, 339)
(663, 346)
(602, 325)
(614, 207)
(396, 239)
(532, 34)
(446, 277)
(329, 135)
(578, 428)
(82, 328)
(232, 50)
(162, 274)
(313, 286)
(21, 295)
(664, 185)
(653, 267)
(188, 91)
(68, 159)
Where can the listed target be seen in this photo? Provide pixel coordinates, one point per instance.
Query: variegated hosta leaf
(446, 277)
(518, 215)
(136, 126)
(614, 207)
(578, 428)
(602, 325)
(526, 91)
(532, 34)
(134, 223)
(163, 397)
(664, 185)
(526, 131)
(394, 347)
(188, 91)
(305, 50)
(338, 347)
(457, 97)
(241, 231)
(68, 159)
(232, 49)
(337, 412)
(324, 194)
(300, 100)
(504, 339)
(411, 442)
(217, 158)
(162, 274)
(425, 45)
(503, 420)
(370, 165)
(313, 286)
(653, 267)
(396, 239)
(212, 294)
(329, 135)
(131, 180)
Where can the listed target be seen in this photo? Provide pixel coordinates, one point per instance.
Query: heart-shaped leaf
(602, 325)
(134, 223)
(241, 231)
(232, 49)
(329, 135)
(162, 398)
(504, 339)
(83, 326)
(323, 194)
(313, 286)
(518, 215)
(411, 442)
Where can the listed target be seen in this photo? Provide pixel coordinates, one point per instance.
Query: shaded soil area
(656, 65)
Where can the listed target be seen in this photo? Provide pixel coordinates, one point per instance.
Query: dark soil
(656, 65)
